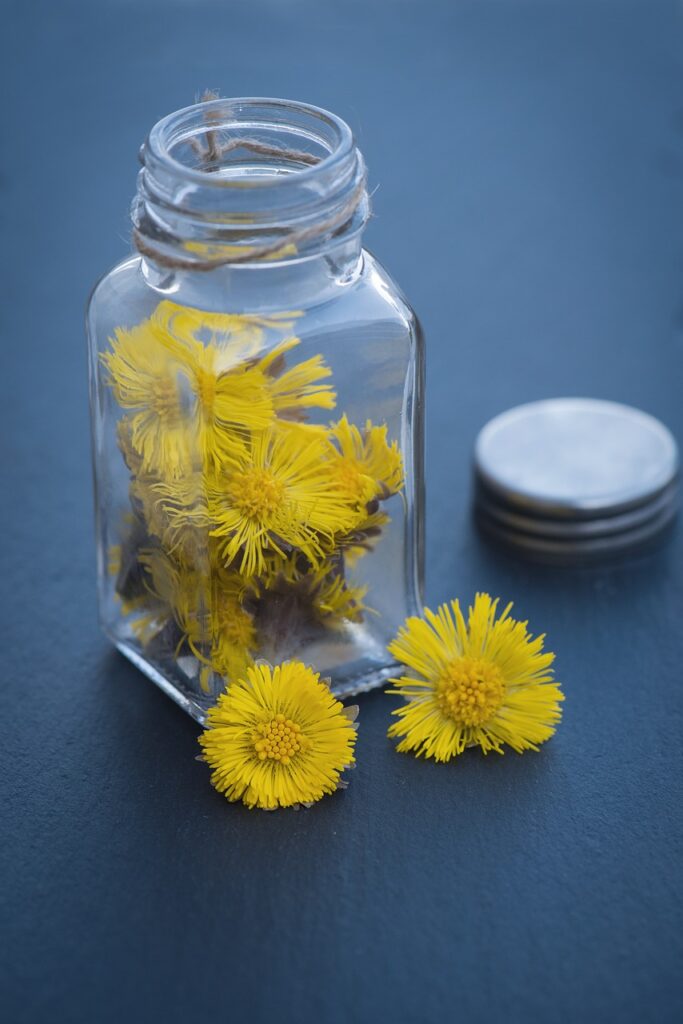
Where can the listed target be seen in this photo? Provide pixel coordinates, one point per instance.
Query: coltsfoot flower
(482, 682)
(240, 334)
(364, 461)
(189, 403)
(278, 738)
(280, 496)
(330, 597)
(195, 386)
(370, 470)
(207, 609)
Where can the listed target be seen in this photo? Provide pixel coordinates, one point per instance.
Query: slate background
(529, 158)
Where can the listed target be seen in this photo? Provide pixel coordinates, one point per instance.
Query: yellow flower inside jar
(257, 412)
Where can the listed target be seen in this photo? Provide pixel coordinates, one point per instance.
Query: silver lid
(575, 458)
(573, 479)
(569, 551)
(511, 518)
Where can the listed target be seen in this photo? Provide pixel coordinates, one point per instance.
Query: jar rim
(168, 132)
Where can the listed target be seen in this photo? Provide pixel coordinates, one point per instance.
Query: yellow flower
(278, 738)
(244, 515)
(369, 468)
(191, 402)
(279, 496)
(196, 386)
(208, 609)
(294, 390)
(484, 682)
(322, 593)
(240, 338)
(176, 513)
(244, 333)
(364, 462)
(335, 601)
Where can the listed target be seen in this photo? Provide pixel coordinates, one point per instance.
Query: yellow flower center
(279, 739)
(256, 493)
(470, 690)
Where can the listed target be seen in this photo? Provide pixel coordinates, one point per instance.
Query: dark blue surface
(529, 159)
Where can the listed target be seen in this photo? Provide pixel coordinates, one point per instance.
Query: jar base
(360, 678)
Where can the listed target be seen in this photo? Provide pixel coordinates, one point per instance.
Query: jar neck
(262, 287)
(233, 186)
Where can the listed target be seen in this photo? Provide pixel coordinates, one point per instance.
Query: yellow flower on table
(278, 496)
(482, 682)
(278, 738)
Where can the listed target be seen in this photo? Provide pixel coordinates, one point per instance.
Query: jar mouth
(240, 180)
(175, 139)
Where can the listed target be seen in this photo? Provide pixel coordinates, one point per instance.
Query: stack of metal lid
(575, 479)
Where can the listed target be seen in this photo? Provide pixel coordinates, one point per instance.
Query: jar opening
(247, 179)
(203, 141)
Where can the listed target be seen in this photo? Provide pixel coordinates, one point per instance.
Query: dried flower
(278, 738)
(485, 682)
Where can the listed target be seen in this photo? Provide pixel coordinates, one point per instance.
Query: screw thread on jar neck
(247, 181)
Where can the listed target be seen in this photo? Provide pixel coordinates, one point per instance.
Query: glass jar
(256, 387)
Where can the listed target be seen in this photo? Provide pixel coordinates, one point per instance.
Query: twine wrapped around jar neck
(150, 242)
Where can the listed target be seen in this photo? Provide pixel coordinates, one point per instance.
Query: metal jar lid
(575, 478)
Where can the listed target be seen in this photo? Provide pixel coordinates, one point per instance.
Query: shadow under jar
(256, 387)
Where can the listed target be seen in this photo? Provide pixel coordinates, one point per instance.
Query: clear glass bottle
(256, 387)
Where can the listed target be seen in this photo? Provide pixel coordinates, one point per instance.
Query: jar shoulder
(120, 297)
(126, 295)
(382, 282)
